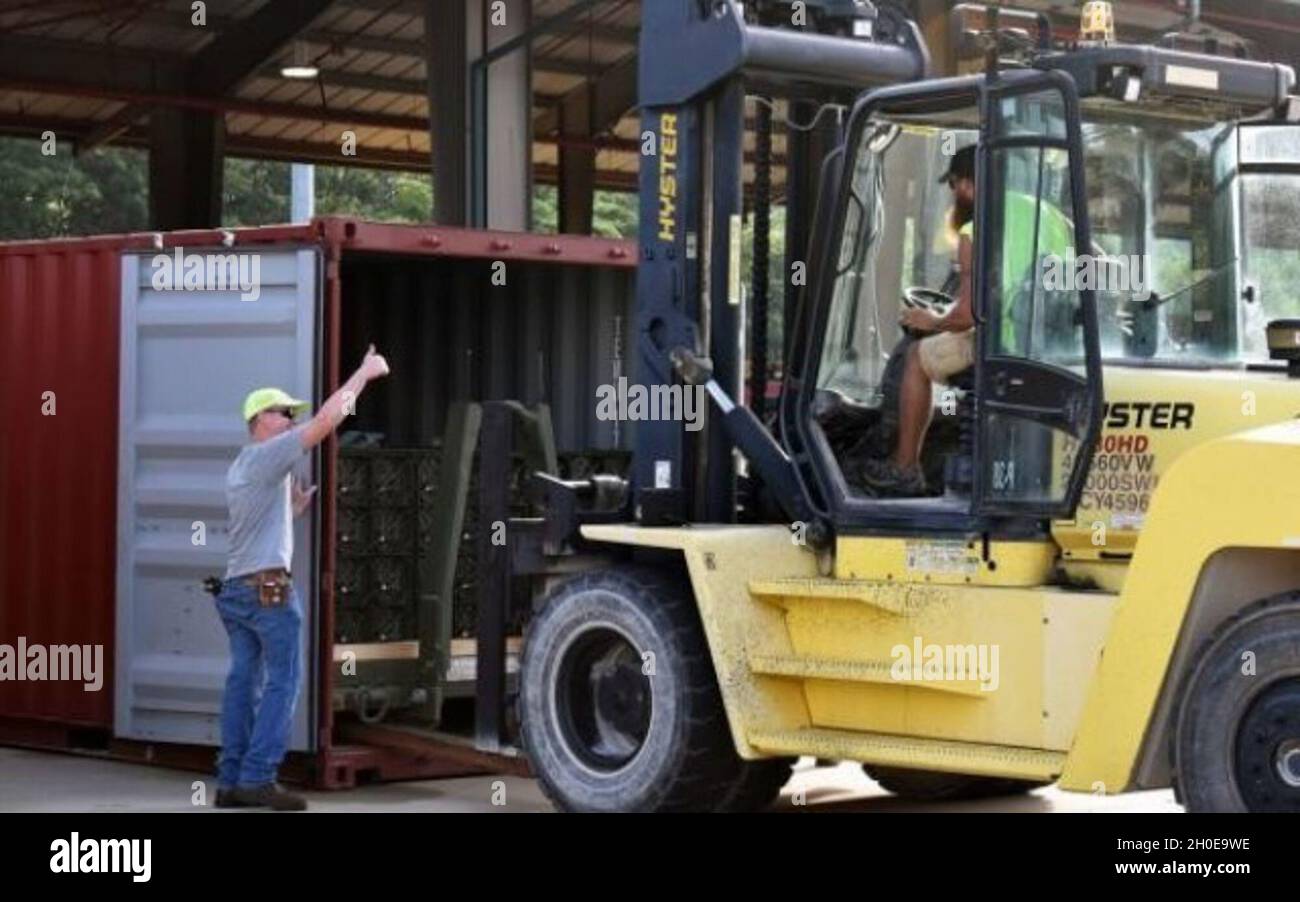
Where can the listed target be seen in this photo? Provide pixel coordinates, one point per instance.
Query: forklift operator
(948, 348)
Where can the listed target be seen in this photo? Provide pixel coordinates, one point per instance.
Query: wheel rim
(1287, 761)
(603, 699)
(1267, 762)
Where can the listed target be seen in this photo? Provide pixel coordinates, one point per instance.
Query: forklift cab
(1010, 438)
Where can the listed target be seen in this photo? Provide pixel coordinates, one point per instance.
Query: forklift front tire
(619, 705)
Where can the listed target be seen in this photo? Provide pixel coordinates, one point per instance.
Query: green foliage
(614, 213)
(57, 195)
(546, 209)
(777, 276)
(107, 191)
(257, 193)
(374, 194)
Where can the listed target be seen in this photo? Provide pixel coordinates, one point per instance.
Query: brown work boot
(269, 795)
(226, 799)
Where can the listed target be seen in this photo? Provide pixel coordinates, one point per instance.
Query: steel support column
(186, 156)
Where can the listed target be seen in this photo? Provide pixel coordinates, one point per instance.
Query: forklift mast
(699, 59)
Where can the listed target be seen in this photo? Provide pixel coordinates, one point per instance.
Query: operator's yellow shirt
(1021, 247)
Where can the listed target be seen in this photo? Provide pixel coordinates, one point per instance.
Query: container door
(188, 359)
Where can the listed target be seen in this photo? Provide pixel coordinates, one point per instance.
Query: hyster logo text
(103, 856)
(1149, 415)
(668, 177)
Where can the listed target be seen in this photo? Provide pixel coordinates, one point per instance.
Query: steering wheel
(936, 303)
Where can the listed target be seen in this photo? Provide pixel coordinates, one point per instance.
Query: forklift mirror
(1143, 327)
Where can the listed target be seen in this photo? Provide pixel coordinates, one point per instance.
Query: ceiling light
(299, 65)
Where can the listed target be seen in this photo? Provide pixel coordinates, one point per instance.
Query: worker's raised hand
(374, 365)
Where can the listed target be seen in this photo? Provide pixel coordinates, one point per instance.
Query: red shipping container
(423, 293)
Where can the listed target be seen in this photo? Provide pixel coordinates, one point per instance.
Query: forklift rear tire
(1237, 742)
(938, 786)
(619, 704)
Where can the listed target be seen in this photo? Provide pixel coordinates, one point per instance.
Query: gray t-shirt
(261, 516)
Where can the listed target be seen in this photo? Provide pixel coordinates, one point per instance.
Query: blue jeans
(262, 688)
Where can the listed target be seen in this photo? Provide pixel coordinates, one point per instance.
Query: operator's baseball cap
(962, 164)
(267, 398)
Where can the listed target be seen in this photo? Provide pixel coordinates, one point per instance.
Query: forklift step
(855, 672)
(913, 752)
(893, 598)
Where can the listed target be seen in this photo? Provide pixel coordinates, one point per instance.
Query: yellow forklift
(1099, 588)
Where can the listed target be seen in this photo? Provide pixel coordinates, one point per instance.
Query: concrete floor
(41, 781)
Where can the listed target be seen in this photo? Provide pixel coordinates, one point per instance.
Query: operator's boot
(885, 479)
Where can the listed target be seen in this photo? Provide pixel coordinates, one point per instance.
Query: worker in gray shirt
(258, 604)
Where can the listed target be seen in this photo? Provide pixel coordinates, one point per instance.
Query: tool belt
(272, 586)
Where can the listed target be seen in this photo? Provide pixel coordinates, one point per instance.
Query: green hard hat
(267, 398)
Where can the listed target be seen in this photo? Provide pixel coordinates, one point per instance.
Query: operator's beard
(962, 213)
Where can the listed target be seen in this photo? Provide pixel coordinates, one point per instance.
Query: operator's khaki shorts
(945, 354)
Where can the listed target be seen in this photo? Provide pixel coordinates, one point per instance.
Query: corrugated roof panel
(580, 49)
(165, 28)
(241, 123)
(268, 127)
(353, 60)
(407, 105)
(628, 127)
(320, 133)
(376, 22)
(288, 90)
(298, 131)
(554, 82)
(369, 136)
(412, 142)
